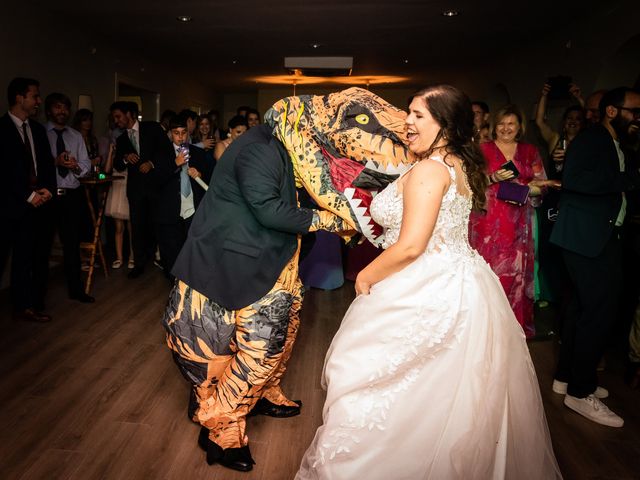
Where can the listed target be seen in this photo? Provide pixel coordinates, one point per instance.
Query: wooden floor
(95, 395)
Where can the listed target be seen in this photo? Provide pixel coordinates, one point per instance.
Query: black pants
(26, 239)
(69, 221)
(591, 313)
(143, 231)
(171, 238)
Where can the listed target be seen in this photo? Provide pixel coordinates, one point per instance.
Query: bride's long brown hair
(451, 108)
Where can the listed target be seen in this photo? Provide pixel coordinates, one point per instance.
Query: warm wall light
(85, 101)
(183, 18)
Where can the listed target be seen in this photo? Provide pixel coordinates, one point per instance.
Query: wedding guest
(72, 163)
(503, 236)
(237, 126)
(253, 118)
(137, 150)
(179, 194)
(551, 273)
(204, 138)
(25, 202)
(481, 127)
(592, 210)
(117, 207)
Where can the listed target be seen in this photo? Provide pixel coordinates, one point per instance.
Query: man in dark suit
(30, 182)
(138, 150)
(238, 287)
(588, 229)
(178, 191)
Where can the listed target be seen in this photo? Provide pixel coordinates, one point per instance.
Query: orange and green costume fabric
(343, 147)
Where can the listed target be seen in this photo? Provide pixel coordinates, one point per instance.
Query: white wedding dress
(429, 376)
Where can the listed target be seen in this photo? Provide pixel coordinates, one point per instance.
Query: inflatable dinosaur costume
(230, 323)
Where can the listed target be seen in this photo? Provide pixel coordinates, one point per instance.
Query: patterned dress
(504, 235)
(429, 376)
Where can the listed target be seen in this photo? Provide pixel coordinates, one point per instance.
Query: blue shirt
(74, 144)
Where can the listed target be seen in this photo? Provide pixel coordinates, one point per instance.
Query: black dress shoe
(235, 458)
(31, 315)
(82, 297)
(265, 407)
(135, 272)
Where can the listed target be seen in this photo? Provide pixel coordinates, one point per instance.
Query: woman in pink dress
(504, 236)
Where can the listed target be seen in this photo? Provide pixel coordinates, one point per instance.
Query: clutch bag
(513, 193)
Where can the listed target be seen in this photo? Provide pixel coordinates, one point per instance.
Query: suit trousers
(591, 313)
(143, 230)
(171, 238)
(69, 221)
(27, 240)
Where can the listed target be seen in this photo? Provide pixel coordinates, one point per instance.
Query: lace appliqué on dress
(437, 327)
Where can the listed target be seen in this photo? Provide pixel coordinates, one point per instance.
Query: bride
(429, 375)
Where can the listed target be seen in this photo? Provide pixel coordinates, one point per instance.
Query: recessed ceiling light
(234, 61)
(406, 60)
(450, 13)
(183, 18)
(315, 45)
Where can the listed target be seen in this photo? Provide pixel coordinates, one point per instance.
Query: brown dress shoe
(30, 315)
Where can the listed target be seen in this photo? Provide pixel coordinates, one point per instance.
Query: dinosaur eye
(362, 119)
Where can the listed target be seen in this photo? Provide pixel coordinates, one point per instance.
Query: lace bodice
(451, 233)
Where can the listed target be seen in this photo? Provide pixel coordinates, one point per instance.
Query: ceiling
(231, 42)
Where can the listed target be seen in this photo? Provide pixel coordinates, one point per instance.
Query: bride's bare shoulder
(431, 171)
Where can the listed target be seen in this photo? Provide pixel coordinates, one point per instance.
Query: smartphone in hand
(511, 167)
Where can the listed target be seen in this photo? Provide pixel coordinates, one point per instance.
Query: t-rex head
(345, 147)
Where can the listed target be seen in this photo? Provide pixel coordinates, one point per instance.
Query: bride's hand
(362, 286)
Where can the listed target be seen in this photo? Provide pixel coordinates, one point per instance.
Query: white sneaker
(561, 388)
(593, 409)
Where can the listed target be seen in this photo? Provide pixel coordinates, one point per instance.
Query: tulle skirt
(117, 203)
(429, 376)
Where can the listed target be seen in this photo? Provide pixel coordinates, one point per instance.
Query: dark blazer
(15, 167)
(245, 230)
(167, 180)
(152, 142)
(591, 197)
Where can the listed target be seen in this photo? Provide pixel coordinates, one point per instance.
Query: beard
(622, 126)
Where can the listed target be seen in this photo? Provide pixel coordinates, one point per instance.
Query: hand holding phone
(511, 167)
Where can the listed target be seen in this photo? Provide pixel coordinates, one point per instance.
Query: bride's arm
(423, 190)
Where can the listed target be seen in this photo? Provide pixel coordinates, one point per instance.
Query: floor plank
(95, 395)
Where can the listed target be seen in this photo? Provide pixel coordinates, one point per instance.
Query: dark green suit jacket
(245, 229)
(591, 197)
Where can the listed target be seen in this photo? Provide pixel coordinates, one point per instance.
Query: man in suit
(138, 150)
(178, 192)
(30, 182)
(238, 286)
(591, 214)
(72, 163)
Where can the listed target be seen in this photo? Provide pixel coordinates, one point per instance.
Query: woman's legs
(119, 237)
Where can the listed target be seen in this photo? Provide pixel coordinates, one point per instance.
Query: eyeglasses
(634, 111)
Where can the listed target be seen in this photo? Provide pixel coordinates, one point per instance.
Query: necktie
(134, 142)
(60, 149)
(185, 184)
(33, 178)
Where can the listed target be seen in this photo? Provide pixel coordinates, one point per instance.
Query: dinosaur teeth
(389, 169)
(365, 222)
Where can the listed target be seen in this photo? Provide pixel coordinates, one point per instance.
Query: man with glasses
(592, 209)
